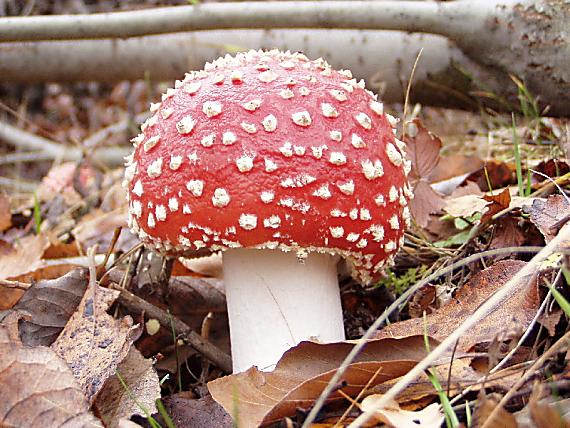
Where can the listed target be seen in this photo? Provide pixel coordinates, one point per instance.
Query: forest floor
(97, 330)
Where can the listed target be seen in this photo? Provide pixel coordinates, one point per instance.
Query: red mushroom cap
(270, 150)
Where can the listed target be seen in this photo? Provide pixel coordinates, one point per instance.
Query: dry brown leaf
(469, 188)
(550, 320)
(547, 414)
(423, 151)
(304, 371)
(496, 203)
(464, 206)
(50, 304)
(37, 389)
(24, 257)
(5, 212)
(507, 234)
(94, 343)
(98, 227)
(499, 174)
(552, 168)
(393, 416)
(426, 201)
(485, 405)
(195, 413)
(508, 320)
(415, 395)
(549, 215)
(455, 165)
(9, 296)
(113, 402)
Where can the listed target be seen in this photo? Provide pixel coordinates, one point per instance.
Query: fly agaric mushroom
(284, 165)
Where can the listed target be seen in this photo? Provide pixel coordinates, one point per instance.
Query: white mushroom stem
(275, 301)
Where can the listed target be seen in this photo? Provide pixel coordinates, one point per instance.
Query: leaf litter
(64, 337)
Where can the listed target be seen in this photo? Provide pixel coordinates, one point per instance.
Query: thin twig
(213, 353)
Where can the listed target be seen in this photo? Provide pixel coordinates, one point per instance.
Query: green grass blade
(162, 410)
(520, 180)
(153, 423)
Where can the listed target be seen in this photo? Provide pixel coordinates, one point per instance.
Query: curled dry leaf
(50, 304)
(114, 402)
(261, 398)
(393, 416)
(549, 215)
(37, 389)
(496, 203)
(94, 343)
(423, 150)
(508, 320)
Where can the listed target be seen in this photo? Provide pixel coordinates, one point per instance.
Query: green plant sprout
(400, 283)
(37, 214)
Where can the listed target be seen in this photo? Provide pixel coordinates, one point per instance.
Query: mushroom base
(276, 301)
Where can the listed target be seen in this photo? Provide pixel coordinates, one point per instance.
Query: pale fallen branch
(561, 241)
(111, 156)
(525, 38)
(387, 15)
(383, 58)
